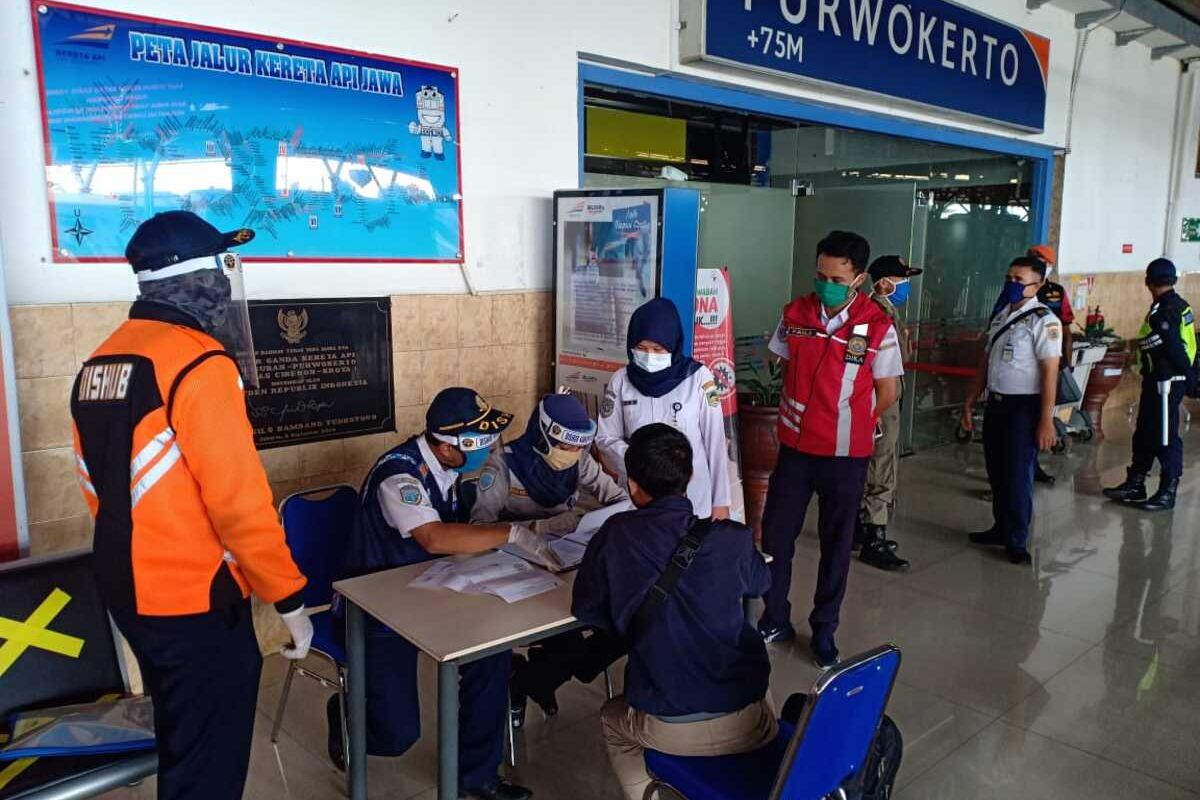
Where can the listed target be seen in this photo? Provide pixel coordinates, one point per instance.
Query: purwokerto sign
(930, 52)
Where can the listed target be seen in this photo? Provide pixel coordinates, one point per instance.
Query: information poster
(714, 349)
(608, 258)
(324, 370)
(327, 154)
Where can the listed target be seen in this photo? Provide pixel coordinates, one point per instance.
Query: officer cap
(1161, 272)
(891, 267)
(1044, 253)
(174, 236)
(459, 410)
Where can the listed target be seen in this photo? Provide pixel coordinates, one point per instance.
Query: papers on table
(591, 521)
(498, 573)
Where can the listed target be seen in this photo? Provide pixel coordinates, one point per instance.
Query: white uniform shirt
(889, 361)
(694, 407)
(404, 501)
(1013, 360)
(502, 496)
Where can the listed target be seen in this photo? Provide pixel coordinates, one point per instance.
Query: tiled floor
(1076, 678)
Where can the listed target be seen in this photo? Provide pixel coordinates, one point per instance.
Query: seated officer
(538, 478)
(696, 683)
(411, 513)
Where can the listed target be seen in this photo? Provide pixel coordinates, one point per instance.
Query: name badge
(1007, 354)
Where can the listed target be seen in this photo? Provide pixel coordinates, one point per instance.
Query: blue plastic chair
(811, 761)
(317, 525)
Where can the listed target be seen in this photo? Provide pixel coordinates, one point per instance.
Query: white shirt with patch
(1013, 360)
(888, 362)
(693, 407)
(404, 501)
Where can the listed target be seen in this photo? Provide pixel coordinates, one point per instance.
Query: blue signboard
(931, 52)
(328, 155)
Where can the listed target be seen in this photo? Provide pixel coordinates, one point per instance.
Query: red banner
(713, 347)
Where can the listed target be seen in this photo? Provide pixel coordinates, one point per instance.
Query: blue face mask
(900, 295)
(1013, 292)
(473, 460)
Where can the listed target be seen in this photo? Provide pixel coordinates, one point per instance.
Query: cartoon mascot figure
(431, 122)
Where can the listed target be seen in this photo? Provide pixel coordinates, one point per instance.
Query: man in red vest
(841, 360)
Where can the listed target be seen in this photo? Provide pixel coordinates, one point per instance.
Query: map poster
(713, 347)
(329, 155)
(324, 370)
(607, 258)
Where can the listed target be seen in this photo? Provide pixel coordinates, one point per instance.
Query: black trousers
(202, 673)
(1147, 437)
(558, 659)
(838, 483)
(1010, 450)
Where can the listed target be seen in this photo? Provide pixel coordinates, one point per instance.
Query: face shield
(234, 330)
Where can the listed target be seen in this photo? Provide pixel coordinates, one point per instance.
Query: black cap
(174, 236)
(1161, 272)
(459, 410)
(891, 267)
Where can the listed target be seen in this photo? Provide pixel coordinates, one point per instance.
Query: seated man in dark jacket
(696, 682)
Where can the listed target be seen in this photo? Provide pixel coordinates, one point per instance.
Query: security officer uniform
(185, 529)
(1167, 351)
(407, 488)
(1012, 417)
(827, 425)
(879, 495)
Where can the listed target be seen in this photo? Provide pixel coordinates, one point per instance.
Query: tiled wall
(499, 344)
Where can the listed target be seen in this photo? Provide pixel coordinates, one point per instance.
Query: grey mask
(202, 295)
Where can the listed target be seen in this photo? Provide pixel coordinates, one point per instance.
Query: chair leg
(345, 705)
(512, 743)
(283, 698)
(608, 687)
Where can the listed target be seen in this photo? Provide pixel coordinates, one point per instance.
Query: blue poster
(328, 155)
(930, 52)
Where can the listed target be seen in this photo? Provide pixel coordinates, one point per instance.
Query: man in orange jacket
(185, 529)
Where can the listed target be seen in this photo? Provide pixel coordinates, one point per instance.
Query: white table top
(448, 625)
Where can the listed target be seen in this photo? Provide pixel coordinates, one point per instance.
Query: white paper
(498, 573)
(569, 552)
(520, 587)
(591, 521)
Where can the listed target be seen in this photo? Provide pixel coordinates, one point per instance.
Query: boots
(1164, 498)
(879, 551)
(1133, 490)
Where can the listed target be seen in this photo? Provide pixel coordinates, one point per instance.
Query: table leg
(356, 653)
(448, 731)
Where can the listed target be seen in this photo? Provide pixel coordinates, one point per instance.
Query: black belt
(1000, 398)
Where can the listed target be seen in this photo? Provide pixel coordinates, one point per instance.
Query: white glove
(300, 626)
(560, 524)
(535, 546)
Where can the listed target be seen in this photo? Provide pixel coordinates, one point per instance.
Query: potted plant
(758, 437)
(1107, 372)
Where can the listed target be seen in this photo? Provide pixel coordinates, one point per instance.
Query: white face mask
(651, 362)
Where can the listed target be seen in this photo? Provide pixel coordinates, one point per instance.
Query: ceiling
(1169, 29)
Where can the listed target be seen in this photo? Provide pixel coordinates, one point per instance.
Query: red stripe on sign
(1041, 50)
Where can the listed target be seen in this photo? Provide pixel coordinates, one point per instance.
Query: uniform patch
(105, 381)
(856, 349)
(487, 480)
(608, 404)
(712, 393)
(517, 491)
(1188, 318)
(629, 403)
(1053, 331)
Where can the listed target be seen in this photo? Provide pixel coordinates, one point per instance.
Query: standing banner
(328, 154)
(713, 347)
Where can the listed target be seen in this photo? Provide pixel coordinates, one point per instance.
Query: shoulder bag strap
(1023, 315)
(680, 561)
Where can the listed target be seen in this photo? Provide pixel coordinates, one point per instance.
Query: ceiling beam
(1125, 37)
(1161, 52)
(1152, 13)
(1085, 19)
(1034, 5)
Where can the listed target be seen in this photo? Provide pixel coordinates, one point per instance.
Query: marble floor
(1077, 677)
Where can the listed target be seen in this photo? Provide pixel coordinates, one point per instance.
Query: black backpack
(878, 776)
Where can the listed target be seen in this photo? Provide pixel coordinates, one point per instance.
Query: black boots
(1164, 498)
(879, 551)
(1133, 490)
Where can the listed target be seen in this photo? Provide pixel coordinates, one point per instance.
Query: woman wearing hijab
(538, 477)
(661, 384)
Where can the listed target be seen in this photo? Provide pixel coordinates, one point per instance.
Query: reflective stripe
(795, 403)
(79, 462)
(845, 419)
(789, 424)
(150, 451)
(87, 486)
(155, 474)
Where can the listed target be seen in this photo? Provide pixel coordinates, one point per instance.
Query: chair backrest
(834, 734)
(56, 641)
(317, 523)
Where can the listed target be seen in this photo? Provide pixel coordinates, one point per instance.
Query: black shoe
(500, 790)
(881, 554)
(989, 538)
(1164, 498)
(527, 682)
(1019, 555)
(776, 633)
(1133, 490)
(1041, 476)
(333, 716)
(824, 652)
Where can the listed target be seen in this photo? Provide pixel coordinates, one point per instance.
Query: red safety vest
(828, 405)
